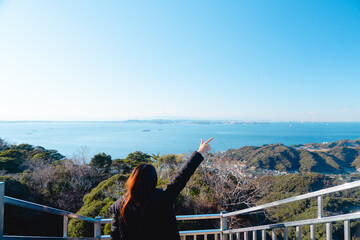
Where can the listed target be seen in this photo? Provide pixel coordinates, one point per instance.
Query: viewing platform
(270, 231)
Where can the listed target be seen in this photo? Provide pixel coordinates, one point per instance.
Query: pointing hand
(204, 147)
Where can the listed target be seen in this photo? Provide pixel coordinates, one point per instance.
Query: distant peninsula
(196, 122)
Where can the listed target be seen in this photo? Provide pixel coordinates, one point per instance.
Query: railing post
(2, 193)
(254, 235)
(328, 231)
(223, 224)
(246, 236)
(263, 234)
(286, 233)
(298, 232)
(347, 230)
(312, 232)
(273, 234)
(65, 226)
(320, 207)
(97, 228)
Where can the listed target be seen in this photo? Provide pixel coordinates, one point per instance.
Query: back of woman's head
(140, 185)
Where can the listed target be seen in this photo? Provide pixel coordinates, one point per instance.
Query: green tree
(170, 160)
(125, 166)
(11, 159)
(3, 144)
(12, 153)
(45, 155)
(120, 166)
(101, 161)
(24, 146)
(137, 158)
(9, 164)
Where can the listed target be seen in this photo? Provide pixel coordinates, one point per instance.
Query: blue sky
(240, 60)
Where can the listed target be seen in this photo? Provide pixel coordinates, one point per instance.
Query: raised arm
(187, 170)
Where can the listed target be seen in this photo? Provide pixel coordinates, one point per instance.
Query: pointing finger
(202, 141)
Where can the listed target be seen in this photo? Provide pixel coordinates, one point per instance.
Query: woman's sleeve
(115, 224)
(182, 177)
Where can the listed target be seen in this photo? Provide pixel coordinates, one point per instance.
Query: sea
(118, 139)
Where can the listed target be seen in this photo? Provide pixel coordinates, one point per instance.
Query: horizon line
(185, 119)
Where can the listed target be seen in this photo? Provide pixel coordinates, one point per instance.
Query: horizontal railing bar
(105, 220)
(184, 233)
(196, 217)
(43, 208)
(337, 218)
(180, 217)
(31, 238)
(43, 238)
(338, 188)
(200, 232)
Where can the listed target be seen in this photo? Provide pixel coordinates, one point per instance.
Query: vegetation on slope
(338, 157)
(295, 184)
(96, 204)
(46, 177)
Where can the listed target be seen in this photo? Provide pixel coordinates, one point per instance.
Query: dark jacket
(158, 220)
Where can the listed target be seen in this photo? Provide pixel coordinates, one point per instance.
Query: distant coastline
(150, 121)
(165, 121)
(119, 138)
(169, 121)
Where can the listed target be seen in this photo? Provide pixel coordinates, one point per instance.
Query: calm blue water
(118, 139)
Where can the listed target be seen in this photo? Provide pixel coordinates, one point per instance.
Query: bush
(96, 204)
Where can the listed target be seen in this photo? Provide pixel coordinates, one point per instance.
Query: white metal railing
(34, 206)
(204, 232)
(235, 233)
(222, 232)
(96, 221)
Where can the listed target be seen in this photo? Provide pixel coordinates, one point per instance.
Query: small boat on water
(145, 130)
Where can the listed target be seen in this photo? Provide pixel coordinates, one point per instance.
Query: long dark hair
(140, 185)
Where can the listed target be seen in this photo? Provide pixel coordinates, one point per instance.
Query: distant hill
(336, 157)
(324, 146)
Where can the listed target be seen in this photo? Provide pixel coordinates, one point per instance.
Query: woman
(146, 212)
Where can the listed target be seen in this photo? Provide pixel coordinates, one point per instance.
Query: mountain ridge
(337, 157)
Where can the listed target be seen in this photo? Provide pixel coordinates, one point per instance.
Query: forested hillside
(336, 158)
(236, 179)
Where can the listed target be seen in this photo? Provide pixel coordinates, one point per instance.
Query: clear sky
(241, 60)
